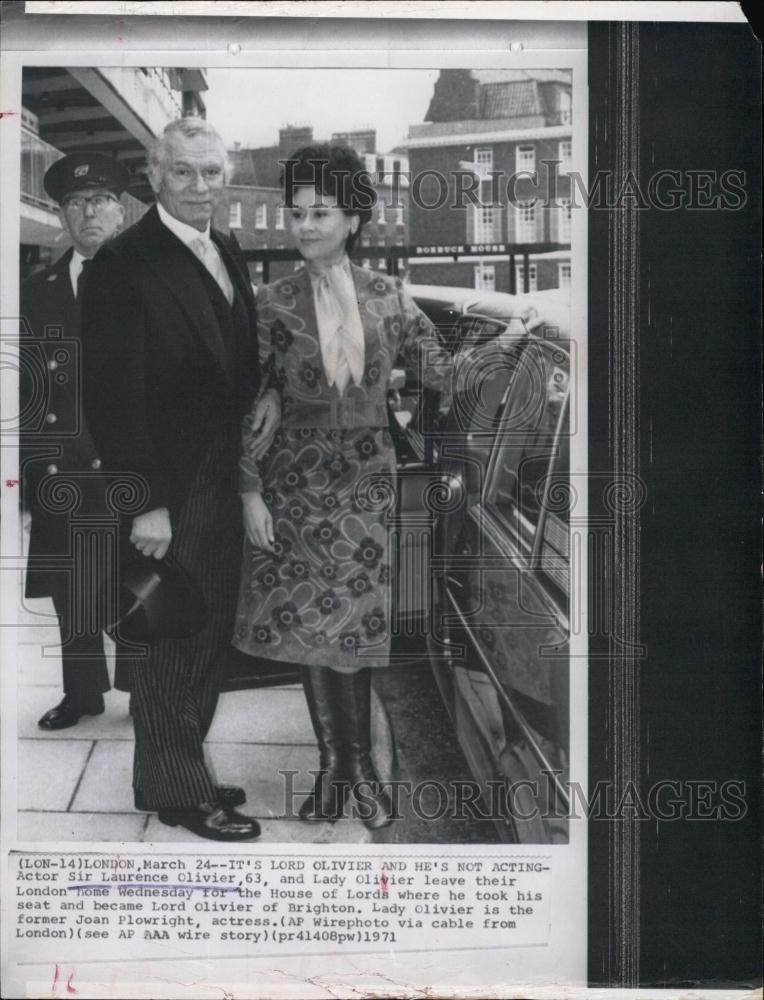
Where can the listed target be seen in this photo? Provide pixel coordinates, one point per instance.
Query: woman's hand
(258, 522)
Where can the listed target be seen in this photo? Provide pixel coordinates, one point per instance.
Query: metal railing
(37, 157)
(517, 254)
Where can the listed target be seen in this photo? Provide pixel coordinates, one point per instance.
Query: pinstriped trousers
(175, 689)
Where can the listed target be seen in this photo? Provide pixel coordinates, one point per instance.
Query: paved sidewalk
(76, 784)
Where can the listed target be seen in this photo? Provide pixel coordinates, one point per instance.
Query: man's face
(91, 217)
(190, 182)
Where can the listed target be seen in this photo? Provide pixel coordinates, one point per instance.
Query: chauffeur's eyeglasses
(97, 201)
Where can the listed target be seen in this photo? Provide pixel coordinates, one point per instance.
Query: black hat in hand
(158, 599)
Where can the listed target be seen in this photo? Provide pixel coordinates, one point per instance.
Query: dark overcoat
(163, 378)
(59, 463)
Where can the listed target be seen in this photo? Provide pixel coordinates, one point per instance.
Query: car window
(445, 318)
(527, 485)
(485, 368)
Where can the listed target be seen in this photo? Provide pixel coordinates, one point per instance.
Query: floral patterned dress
(323, 597)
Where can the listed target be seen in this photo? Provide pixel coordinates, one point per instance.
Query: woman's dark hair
(334, 170)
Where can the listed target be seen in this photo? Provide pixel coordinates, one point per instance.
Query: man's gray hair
(189, 128)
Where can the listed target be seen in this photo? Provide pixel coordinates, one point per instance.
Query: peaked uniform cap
(80, 171)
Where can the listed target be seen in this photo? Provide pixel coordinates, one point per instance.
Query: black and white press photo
(300, 398)
(379, 557)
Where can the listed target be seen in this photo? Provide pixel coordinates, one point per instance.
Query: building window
(261, 215)
(565, 216)
(279, 217)
(565, 156)
(381, 221)
(234, 215)
(399, 220)
(563, 275)
(564, 107)
(520, 278)
(484, 214)
(366, 262)
(381, 263)
(400, 241)
(485, 277)
(484, 221)
(525, 159)
(365, 241)
(483, 160)
(525, 223)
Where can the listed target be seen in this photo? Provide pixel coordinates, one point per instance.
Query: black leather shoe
(68, 711)
(212, 821)
(228, 796)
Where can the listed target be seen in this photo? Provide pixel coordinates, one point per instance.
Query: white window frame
(399, 220)
(279, 217)
(485, 277)
(381, 220)
(563, 274)
(532, 278)
(381, 263)
(524, 163)
(483, 215)
(483, 222)
(234, 215)
(565, 155)
(261, 215)
(525, 222)
(565, 107)
(483, 160)
(565, 220)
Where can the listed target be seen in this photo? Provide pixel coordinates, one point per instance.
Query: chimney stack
(292, 137)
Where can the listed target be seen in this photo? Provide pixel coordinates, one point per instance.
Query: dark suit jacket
(56, 446)
(158, 383)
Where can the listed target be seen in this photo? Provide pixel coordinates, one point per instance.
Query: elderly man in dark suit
(56, 447)
(171, 367)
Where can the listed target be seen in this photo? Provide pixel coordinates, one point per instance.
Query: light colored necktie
(207, 253)
(340, 331)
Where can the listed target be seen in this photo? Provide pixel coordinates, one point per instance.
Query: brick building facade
(489, 168)
(256, 214)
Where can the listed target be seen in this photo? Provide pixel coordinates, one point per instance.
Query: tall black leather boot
(374, 806)
(327, 800)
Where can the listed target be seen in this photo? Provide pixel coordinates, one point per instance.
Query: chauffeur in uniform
(171, 367)
(55, 443)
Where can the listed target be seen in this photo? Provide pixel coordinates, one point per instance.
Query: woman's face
(318, 226)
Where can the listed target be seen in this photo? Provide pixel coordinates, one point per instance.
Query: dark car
(494, 480)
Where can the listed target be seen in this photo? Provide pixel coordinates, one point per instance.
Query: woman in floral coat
(315, 587)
